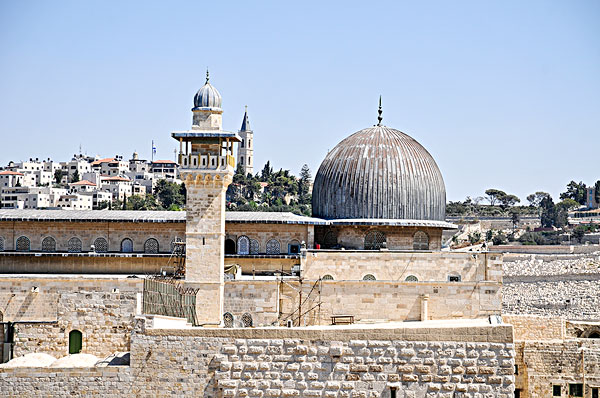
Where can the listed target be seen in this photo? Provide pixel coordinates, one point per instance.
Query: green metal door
(74, 342)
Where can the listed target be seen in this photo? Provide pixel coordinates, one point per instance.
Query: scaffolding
(308, 304)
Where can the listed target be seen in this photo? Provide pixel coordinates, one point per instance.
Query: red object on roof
(10, 173)
(84, 182)
(100, 161)
(115, 178)
(164, 161)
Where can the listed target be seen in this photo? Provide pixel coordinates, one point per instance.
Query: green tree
(515, 217)
(578, 233)
(548, 213)
(304, 194)
(170, 193)
(509, 200)
(58, 175)
(75, 176)
(536, 198)
(137, 202)
(575, 191)
(494, 195)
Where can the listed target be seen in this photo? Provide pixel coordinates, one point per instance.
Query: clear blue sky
(503, 94)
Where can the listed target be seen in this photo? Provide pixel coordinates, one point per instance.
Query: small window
(595, 392)
(393, 392)
(74, 245)
(247, 320)
(242, 160)
(516, 369)
(556, 390)
(576, 390)
(411, 278)
(126, 245)
(420, 241)
(369, 277)
(151, 246)
(75, 342)
(327, 277)
(294, 247)
(228, 320)
(242, 143)
(273, 247)
(23, 244)
(454, 278)
(517, 393)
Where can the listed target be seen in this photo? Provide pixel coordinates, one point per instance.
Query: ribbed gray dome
(380, 173)
(207, 97)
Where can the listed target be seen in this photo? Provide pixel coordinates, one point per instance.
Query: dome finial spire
(379, 118)
(207, 77)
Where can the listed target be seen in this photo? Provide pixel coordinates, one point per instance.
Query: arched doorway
(75, 342)
(229, 246)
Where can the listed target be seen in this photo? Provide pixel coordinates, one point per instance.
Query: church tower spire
(245, 153)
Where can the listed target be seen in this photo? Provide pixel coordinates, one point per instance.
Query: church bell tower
(206, 167)
(245, 153)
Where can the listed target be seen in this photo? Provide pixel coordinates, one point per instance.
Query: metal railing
(168, 297)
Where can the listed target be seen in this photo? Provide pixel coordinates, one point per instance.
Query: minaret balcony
(206, 162)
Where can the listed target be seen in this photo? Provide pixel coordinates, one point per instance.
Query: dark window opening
(556, 391)
(576, 390)
(595, 392)
(393, 392)
(516, 369)
(453, 278)
(229, 246)
(517, 393)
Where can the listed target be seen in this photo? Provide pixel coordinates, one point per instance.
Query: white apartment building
(101, 196)
(9, 178)
(120, 187)
(75, 202)
(83, 186)
(30, 197)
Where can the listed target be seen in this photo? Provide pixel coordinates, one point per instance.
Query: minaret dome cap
(207, 98)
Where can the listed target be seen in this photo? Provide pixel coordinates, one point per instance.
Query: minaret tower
(206, 167)
(245, 152)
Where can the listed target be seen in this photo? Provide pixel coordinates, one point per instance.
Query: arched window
(241, 160)
(330, 240)
(247, 320)
(420, 241)
(75, 342)
(294, 247)
(411, 278)
(369, 277)
(254, 246)
(242, 143)
(229, 246)
(228, 320)
(74, 245)
(243, 245)
(1, 244)
(327, 277)
(23, 244)
(48, 244)
(374, 240)
(100, 245)
(151, 246)
(273, 247)
(126, 246)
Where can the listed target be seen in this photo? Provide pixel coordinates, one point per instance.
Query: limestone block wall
(255, 265)
(397, 266)
(257, 298)
(543, 364)
(339, 362)
(531, 327)
(88, 232)
(102, 309)
(393, 301)
(283, 233)
(397, 238)
(84, 263)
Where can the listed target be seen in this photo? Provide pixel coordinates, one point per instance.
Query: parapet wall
(336, 362)
(398, 265)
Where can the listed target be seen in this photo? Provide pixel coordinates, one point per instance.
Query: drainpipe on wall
(424, 307)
